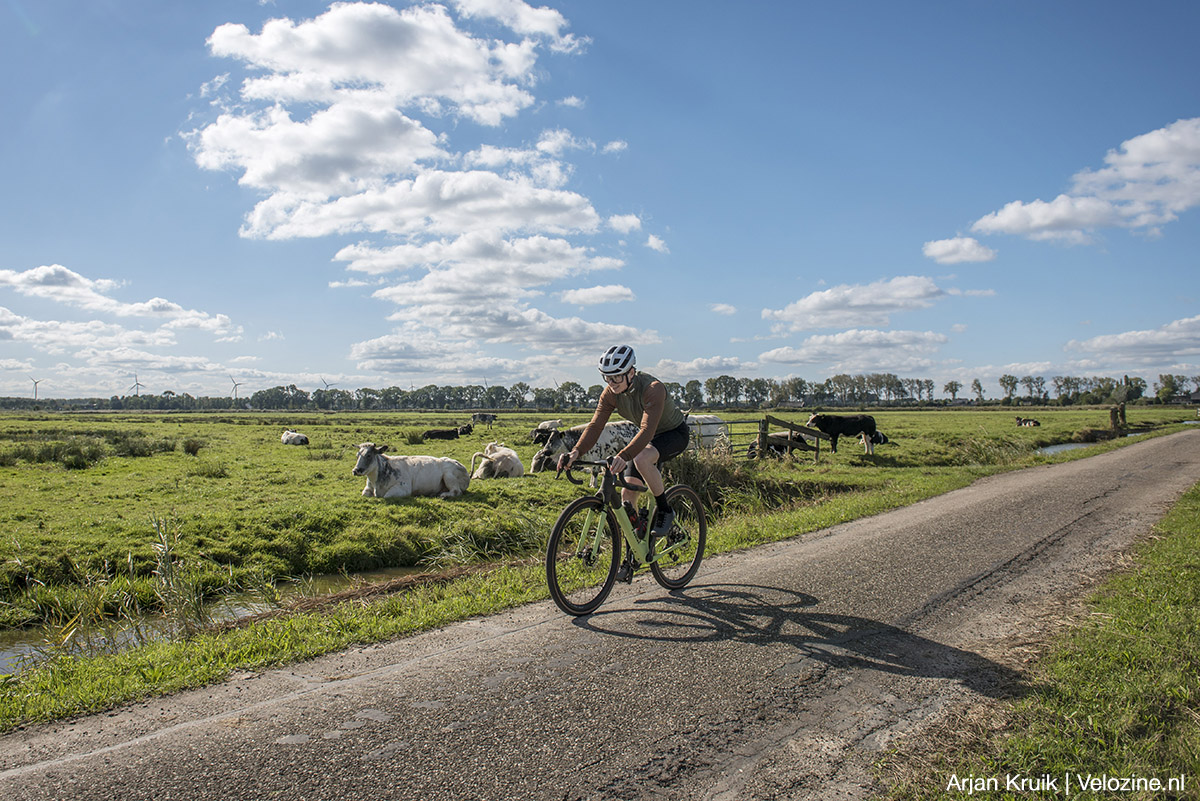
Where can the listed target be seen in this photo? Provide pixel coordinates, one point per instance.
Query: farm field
(88, 497)
(106, 515)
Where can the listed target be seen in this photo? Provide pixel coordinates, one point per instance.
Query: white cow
(497, 461)
(708, 430)
(402, 476)
(613, 438)
(291, 437)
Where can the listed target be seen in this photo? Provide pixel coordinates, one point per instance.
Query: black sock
(660, 501)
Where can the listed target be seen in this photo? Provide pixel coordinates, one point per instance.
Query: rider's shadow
(772, 616)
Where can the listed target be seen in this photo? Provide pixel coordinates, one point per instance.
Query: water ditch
(1062, 447)
(21, 647)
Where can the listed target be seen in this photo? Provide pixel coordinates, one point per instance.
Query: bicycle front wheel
(682, 549)
(582, 556)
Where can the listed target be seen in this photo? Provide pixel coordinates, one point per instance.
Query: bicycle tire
(676, 569)
(580, 575)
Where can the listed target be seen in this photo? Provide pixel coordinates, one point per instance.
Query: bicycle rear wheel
(683, 547)
(582, 556)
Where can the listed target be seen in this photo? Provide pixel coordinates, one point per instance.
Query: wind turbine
(137, 386)
(235, 386)
(35, 381)
(327, 384)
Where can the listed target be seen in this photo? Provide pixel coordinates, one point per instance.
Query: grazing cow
(1027, 421)
(613, 438)
(497, 461)
(708, 430)
(402, 476)
(879, 438)
(853, 425)
(291, 437)
(544, 429)
(441, 433)
(483, 417)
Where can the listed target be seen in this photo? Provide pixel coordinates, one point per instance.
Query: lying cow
(402, 476)
(853, 425)
(291, 437)
(774, 449)
(497, 461)
(441, 433)
(1027, 421)
(543, 430)
(613, 438)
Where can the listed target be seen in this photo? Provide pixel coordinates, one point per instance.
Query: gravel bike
(584, 554)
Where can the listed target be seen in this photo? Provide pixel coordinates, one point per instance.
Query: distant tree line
(725, 391)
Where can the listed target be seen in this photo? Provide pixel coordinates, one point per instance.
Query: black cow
(441, 433)
(853, 425)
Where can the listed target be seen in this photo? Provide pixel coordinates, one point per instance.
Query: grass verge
(1116, 696)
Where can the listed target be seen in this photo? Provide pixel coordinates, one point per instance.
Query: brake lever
(567, 473)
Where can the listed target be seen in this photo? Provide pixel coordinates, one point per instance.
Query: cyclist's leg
(643, 471)
(669, 444)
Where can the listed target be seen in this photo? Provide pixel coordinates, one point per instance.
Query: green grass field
(112, 516)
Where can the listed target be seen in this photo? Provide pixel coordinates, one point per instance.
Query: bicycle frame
(638, 546)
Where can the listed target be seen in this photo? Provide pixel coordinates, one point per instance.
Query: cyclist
(663, 434)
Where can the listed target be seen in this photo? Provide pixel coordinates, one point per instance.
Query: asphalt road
(780, 673)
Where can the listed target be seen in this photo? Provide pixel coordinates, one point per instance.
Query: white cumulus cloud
(862, 350)
(856, 304)
(1176, 343)
(957, 250)
(590, 296)
(1146, 182)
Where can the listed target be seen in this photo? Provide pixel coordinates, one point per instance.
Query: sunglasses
(617, 379)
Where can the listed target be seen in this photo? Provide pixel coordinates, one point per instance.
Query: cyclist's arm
(604, 409)
(653, 402)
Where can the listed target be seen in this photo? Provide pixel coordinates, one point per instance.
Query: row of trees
(1072, 390)
(723, 391)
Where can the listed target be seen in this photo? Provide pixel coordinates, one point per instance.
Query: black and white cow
(487, 418)
(1027, 421)
(852, 425)
(541, 434)
(613, 438)
(402, 476)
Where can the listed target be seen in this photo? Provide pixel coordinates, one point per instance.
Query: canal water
(22, 646)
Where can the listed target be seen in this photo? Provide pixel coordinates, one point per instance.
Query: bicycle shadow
(764, 615)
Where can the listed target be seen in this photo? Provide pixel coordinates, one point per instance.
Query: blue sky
(485, 191)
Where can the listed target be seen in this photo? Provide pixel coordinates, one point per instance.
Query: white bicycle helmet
(617, 359)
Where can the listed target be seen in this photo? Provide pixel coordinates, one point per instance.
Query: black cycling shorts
(669, 444)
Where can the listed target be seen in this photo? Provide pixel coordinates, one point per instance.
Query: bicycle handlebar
(617, 479)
